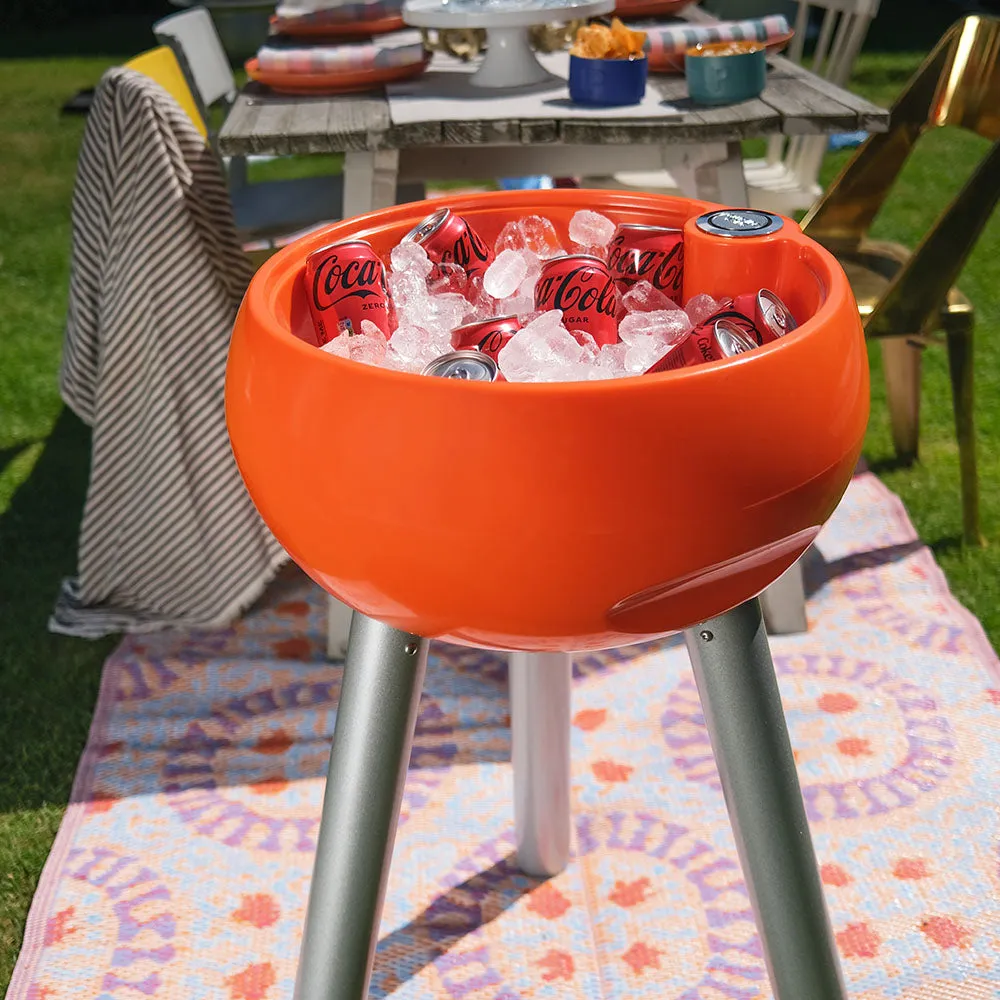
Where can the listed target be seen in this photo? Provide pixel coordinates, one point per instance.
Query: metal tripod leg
(540, 734)
(376, 716)
(742, 707)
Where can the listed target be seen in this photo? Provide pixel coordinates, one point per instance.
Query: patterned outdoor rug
(182, 868)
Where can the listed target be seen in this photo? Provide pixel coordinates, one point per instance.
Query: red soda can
(774, 318)
(648, 253)
(582, 287)
(449, 239)
(742, 312)
(345, 283)
(487, 336)
(712, 341)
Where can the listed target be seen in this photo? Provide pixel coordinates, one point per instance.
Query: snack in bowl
(598, 41)
(607, 65)
(725, 72)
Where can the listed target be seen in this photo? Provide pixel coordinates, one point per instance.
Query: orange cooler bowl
(563, 515)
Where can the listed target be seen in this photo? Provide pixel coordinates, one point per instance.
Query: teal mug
(725, 72)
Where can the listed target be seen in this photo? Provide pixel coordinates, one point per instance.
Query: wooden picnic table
(700, 146)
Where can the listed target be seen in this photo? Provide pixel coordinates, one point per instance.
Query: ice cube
(540, 351)
(643, 297)
(662, 325)
(611, 359)
(447, 311)
(410, 343)
(641, 356)
(534, 233)
(587, 342)
(503, 276)
(369, 346)
(526, 290)
(408, 290)
(339, 346)
(591, 228)
(700, 307)
(447, 277)
(517, 305)
(412, 257)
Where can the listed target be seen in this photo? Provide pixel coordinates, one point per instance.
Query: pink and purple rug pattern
(182, 866)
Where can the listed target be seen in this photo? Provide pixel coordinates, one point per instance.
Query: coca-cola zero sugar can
(648, 253)
(449, 239)
(488, 336)
(582, 287)
(345, 284)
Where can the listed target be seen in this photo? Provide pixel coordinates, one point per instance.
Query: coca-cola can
(488, 336)
(470, 366)
(712, 341)
(774, 318)
(771, 317)
(449, 239)
(742, 313)
(582, 287)
(731, 339)
(648, 253)
(345, 284)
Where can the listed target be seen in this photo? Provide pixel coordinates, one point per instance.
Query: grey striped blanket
(169, 535)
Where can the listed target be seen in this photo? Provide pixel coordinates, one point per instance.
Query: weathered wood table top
(795, 102)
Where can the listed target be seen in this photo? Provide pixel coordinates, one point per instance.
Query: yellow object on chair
(160, 64)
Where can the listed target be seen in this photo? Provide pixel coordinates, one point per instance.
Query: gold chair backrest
(959, 85)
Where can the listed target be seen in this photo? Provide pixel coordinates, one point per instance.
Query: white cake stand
(510, 61)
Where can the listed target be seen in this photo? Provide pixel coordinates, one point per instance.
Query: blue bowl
(725, 79)
(607, 82)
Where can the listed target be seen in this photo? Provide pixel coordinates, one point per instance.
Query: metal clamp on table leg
(742, 706)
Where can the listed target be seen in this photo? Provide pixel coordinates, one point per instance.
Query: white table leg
(540, 696)
(338, 628)
(369, 180)
(715, 179)
(784, 602)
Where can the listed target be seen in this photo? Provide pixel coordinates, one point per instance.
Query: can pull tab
(738, 222)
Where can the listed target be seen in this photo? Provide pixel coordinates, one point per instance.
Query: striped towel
(290, 20)
(677, 39)
(169, 534)
(403, 48)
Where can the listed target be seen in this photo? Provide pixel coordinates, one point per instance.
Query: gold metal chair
(906, 298)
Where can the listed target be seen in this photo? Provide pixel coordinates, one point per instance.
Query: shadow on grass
(890, 464)
(48, 684)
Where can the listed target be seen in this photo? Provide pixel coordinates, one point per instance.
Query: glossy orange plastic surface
(552, 516)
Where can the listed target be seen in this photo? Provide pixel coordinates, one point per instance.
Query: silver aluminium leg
(742, 707)
(540, 686)
(376, 716)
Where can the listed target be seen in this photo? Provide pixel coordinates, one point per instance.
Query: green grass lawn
(48, 685)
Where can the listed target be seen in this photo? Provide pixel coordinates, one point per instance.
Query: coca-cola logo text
(467, 246)
(664, 269)
(581, 290)
(739, 320)
(342, 277)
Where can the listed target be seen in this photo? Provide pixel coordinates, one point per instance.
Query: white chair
(266, 210)
(785, 180)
